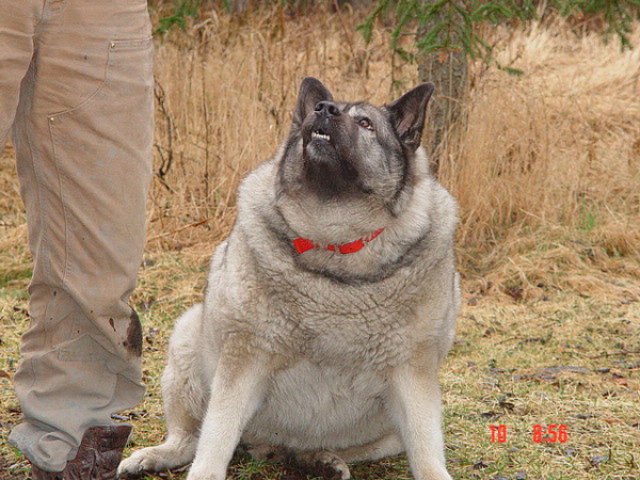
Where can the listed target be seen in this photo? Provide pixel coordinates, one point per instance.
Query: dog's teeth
(321, 136)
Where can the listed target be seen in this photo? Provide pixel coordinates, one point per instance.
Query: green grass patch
(13, 276)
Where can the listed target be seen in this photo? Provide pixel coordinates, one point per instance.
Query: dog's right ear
(312, 91)
(408, 112)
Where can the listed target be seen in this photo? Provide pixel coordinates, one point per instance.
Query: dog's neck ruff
(303, 244)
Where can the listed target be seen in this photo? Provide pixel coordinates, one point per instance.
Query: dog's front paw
(201, 471)
(145, 460)
(433, 472)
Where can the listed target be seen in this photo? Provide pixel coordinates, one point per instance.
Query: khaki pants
(76, 85)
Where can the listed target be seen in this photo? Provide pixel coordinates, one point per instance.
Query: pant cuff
(50, 451)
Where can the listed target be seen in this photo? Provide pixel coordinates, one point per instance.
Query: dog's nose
(327, 109)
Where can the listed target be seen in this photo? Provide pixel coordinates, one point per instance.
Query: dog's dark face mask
(337, 150)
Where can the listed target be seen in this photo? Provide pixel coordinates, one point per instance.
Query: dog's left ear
(312, 92)
(407, 114)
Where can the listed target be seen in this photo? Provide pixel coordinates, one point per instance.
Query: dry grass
(547, 169)
(547, 173)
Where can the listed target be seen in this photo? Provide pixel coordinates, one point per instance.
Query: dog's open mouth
(320, 134)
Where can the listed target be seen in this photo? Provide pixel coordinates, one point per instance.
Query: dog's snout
(328, 109)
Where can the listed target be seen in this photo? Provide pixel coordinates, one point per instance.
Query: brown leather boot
(97, 458)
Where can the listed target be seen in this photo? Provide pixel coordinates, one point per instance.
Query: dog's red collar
(303, 244)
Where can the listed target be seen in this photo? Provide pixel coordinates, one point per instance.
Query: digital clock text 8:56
(553, 433)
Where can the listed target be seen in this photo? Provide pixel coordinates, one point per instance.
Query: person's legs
(83, 137)
(17, 28)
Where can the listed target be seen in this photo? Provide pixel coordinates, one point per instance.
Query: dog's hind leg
(267, 453)
(387, 446)
(336, 462)
(325, 462)
(184, 403)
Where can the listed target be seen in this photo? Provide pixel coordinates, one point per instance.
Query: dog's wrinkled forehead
(358, 110)
(378, 117)
(361, 109)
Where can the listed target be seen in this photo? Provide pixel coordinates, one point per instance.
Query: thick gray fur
(327, 357)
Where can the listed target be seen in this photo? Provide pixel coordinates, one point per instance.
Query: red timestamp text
(552, 433)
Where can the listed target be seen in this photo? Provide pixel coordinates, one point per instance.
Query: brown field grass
(546, 167)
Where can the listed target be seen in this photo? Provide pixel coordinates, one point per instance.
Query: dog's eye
(365, 123)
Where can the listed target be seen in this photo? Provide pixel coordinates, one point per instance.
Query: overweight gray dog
(329, 307)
